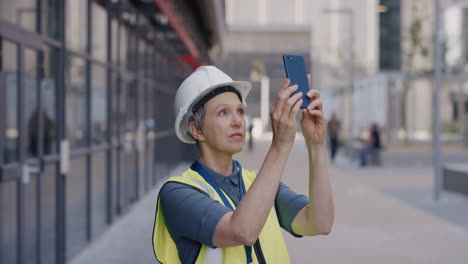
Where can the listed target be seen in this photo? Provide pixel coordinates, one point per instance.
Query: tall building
(390, 56)
(332, 35)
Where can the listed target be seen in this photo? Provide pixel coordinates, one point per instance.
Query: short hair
(198, 117)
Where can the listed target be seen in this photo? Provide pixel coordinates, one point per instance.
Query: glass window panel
(123, 46)
(98, 193)
(76, 101)
(20, 12)
(76, 24)
(128, 180)
(48, 214)
(31, 111)
(146, 99)
(157, 65)
(98, 105)
(9, 104)
(115, 40)
(130, 119)
(115, 108)
(160, 98)
(9, 223)
(147, 61)
(151, 63)
(76, 207)
(30, 221)
(99, 30)
(116, 186)
(141, 56)
(51, 18)
(132, 53)
(49, 98)
(122, 107)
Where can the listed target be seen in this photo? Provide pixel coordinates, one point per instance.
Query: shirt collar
(221, 179)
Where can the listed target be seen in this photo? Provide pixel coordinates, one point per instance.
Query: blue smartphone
(295, 69)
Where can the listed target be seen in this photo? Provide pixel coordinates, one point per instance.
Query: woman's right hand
(283, 116)
(244, 225)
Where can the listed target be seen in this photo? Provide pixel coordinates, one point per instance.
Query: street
(382, 215)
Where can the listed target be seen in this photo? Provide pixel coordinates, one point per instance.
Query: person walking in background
(372, 145)
(334, 126)
(218, 212)
(250, 126)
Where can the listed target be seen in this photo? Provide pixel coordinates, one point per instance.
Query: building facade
(86, 113)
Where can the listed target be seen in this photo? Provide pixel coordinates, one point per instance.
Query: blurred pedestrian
(373, 144)
(250, 126)
(334, 126)
(217, 212)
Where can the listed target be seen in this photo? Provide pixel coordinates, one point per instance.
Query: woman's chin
(235, 148)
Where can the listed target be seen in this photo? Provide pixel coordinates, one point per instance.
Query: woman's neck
(219, 162)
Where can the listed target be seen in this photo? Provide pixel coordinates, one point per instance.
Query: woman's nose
(237, 120)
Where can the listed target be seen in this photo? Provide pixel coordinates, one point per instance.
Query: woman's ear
(196, 133)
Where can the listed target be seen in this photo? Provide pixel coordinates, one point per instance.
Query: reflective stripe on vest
(213, 255)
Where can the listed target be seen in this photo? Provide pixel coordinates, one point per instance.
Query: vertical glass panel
(122, 108)
(9, 222)
(76, 24)
(130, 107)
(20, 12)
(128, 179)
(48, 223)
(49, 98)
(30, 221)
(123, 46)
(31, 111)
(132, 55)
(98, 105)
(76, 101)
(390, 35)
(9, 102)
(149, 62)
(76, 207)
(115, 40)
(51, 18)
(115, 108)
(141, 56)
(98, 193)
(115, 181)
(99, 31)
(154, 68)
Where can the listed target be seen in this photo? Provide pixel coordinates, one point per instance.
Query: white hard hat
(198, 84)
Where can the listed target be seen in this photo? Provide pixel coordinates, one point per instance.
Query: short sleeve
(288, 204)
(190, 213)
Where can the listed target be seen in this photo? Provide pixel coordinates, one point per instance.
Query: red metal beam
(174, 20)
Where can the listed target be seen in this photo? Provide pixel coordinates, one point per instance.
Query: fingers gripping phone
(296, 72)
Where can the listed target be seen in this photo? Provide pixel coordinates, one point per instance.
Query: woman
(217, 212)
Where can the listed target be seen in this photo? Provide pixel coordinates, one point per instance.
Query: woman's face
(224, 123)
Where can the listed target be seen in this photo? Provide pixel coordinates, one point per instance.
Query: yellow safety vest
(271, 238)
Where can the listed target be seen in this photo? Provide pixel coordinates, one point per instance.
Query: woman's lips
(237, 135)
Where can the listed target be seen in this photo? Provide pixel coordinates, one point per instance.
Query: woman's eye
(222, 113)
(241, 111)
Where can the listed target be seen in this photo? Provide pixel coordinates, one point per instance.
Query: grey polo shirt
(191, 216)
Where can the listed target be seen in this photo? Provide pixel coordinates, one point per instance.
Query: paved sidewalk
(383, 215)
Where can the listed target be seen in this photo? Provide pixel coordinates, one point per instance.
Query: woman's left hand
(313, 122)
